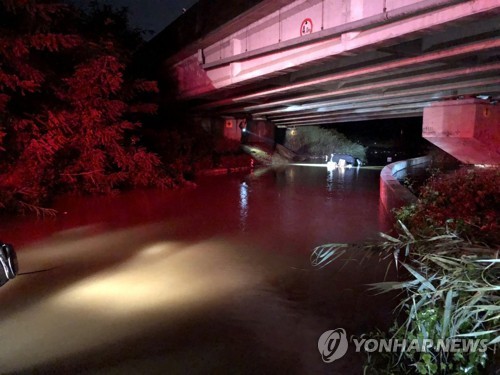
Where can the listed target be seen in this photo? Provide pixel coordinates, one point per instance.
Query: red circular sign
(306, 27)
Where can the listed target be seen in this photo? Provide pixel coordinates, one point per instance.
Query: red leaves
(28, 86)
(13, 83)
(66, 114)
(27, 72)
(144, 168)
(25, 125)
(2, 134)
(53, 42)
(4, 99)
(59, 122)
(101, 76)
(467, 197)
(127, 125)
(95, 129)
(146, 86)
(147, 108)
(8, 81)
(16, 48)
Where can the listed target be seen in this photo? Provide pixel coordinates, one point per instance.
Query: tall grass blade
(405, 229)
(420, 278)
(479, 333)
(390, 238)
(447, 313)
(495, 341)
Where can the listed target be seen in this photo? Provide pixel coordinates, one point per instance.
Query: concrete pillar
(467, 129)
(261, 132)
(231, 129)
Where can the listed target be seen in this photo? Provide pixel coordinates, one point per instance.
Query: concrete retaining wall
(392, 193)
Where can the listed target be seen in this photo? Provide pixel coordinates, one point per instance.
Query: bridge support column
(261, 133)
(467, 129)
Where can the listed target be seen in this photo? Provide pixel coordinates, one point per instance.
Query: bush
(449, 258)
(70, 111)
(317, 141)
(466, 201)
(451, 294)
(450, 250)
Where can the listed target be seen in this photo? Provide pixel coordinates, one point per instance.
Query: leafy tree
(69, 111)
(317, 141)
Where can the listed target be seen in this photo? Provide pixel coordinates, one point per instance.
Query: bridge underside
(383, 64)
(366, 70)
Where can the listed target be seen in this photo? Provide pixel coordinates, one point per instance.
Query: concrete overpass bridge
(292, 63)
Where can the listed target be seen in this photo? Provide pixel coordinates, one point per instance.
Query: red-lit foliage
(68, 110)
(467, 200)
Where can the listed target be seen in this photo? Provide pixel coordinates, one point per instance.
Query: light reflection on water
(243, 205)
(152, 280)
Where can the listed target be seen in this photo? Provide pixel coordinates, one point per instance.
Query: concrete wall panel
(263, 33)
(292, 22)
(469, 130)
(392, 193)
(372, 7)
(336, 13)
(394, 4)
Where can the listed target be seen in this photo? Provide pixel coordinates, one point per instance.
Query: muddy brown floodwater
(209, 280)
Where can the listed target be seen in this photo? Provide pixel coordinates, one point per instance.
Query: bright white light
(324, 109)
(109, 288)
(243, 204)
(316, 165)
(292, 108)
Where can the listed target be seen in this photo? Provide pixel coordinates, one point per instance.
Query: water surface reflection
(208, 280)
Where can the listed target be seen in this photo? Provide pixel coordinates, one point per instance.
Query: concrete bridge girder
(418, 107)
(348, 107)
(437, 92)
(277, 62)
(432, 88)
(363, 62)
(382, 86)
(432, 57)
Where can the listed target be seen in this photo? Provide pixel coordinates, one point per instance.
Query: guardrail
(392, 193)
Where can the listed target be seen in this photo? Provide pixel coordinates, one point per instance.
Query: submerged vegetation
(450, 292)
(446, 248)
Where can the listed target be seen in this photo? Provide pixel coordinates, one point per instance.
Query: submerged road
(215, 279)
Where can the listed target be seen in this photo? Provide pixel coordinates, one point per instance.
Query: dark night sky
(149, 14)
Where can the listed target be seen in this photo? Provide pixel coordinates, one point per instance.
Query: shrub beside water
(448, 244)
(446, 247)
(466, 201)
(451, 293)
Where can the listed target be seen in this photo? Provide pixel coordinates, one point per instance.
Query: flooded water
(213, 279)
